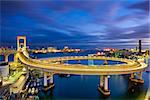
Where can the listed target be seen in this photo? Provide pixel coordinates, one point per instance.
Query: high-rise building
(140, 46)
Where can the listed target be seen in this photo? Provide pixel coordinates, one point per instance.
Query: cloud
(129, 32)
(61, 31)
(141, 6)
(89, 22)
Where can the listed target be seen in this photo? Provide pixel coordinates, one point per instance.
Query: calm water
(85, 87)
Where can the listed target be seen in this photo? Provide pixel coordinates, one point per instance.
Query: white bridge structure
(50, 67)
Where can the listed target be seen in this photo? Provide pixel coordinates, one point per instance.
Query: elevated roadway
(127, 68)
(50, 67)
(6, 53)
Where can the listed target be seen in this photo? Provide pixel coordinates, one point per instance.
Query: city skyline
(99, 23)
(74, 49)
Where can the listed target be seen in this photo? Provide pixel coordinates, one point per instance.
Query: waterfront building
(4, 69)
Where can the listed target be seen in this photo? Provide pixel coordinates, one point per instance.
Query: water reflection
(85, 87)
(79, 86)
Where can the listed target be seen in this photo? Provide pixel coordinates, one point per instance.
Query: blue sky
(76, 23)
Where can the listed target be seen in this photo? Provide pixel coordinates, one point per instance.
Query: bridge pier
(51, 79)
(106, 83)
(103, 87)
(101, 81)
(6, 57)
(16, 58)
(48, 76)
(132, 75)
(1, 80)
(79, 61)
(27, 70)
(147, 58)
(45, 79)
(137, 80)
(105, 62)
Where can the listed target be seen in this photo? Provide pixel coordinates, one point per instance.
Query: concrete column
(6, 58)
(132, 75)
(51, 79)
(79, 61)
(27, 70)
(140, 75)
(15, 58)
(41, 73)
(105, 62)
(1, 80)
(102, 81)
(106, 83)
(138, 79)
(66, 61)
(18, 44)
(90, 62)
(25, 40)
(45, 79)
(147, 58)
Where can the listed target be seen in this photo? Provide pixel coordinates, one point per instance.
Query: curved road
(128, 68)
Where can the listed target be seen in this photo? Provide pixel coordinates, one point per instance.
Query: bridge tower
(21, 44)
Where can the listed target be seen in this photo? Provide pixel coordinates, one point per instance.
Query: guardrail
(83, 69)
(35, 61)
(7, 51)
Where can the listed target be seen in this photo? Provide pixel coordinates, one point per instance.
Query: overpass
(50, 68)
(6, 52)
(127, 68)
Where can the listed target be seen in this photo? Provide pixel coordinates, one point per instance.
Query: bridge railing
(121, 67)
(87, 57)
(34, 61)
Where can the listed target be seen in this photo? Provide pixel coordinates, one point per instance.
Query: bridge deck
(127, 68)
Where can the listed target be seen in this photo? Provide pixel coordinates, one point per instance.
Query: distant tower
(19, 43)
(140, 46)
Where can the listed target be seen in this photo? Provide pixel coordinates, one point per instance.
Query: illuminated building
(140, 46)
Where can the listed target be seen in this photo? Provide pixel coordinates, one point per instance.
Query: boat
(33, 90)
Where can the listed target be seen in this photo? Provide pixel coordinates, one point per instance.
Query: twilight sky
(76, 23)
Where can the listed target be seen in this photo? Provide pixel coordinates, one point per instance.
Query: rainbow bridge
(50, 68)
